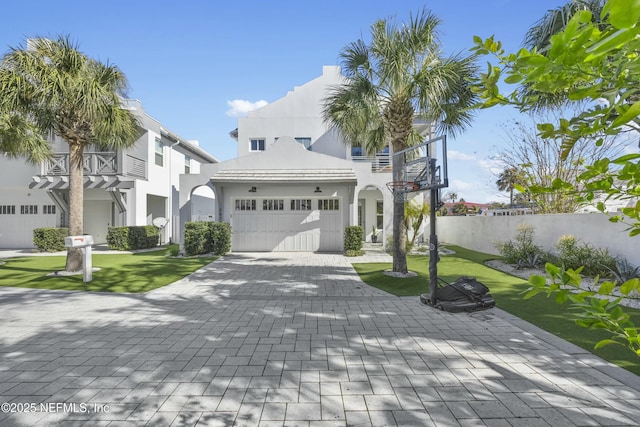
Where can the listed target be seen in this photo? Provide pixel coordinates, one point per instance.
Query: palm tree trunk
(399, 231)
(76, 204)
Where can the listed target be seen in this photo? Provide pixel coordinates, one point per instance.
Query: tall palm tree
(555, 20)
(399, 76)
(507, 181)
(51, 88)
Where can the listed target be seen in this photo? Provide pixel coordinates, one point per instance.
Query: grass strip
(123, 273)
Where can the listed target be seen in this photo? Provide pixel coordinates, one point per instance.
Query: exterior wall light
(318, 190)
(253, 190)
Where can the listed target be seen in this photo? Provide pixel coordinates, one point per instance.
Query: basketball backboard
(424, 166)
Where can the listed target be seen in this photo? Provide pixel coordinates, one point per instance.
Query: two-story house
(295, 184)
(133, 186)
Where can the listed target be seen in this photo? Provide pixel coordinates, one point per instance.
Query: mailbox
(84, 244)
(78, 241)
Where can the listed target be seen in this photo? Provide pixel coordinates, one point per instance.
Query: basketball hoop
(402, 187)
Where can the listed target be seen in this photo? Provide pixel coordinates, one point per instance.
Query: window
(187, 164)
(159, 153)
(356, 151)
(29, 209)
(49, 209)
(305, 141)
(7, 210)
(273, 205)
(246, 205)
(379, 214)
(328, 204)
(301, 205)
(257, 144)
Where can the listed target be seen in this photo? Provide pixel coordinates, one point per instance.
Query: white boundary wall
(481, 232)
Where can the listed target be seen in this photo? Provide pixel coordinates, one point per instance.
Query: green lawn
(128, 273)
(507, 291)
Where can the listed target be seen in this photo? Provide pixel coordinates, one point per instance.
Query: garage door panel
(287, 231)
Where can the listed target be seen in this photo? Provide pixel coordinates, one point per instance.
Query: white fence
(480, 233)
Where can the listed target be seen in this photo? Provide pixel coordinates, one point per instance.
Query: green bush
(221, 237)
(206, 237)
(50, 239)
(571, 253)
(352, 253)
(522, 251)
(353, 238)
(133, 237)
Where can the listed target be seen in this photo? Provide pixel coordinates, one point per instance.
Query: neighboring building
(294, 185)
(469, 208)
(125, 187)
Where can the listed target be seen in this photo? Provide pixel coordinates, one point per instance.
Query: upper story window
(159, 153)
(187, 164)
(305, 141)
(257, 144)
(356, 151)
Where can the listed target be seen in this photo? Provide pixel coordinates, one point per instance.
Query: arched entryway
(203, 204)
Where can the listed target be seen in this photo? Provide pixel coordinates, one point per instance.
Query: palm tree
(399, 76)
(507, 181)
(555, 20)
(51, 88)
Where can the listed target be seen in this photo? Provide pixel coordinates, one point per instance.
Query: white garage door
(298, 225)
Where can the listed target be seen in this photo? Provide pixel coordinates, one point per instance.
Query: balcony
(97, 163)
(102, 169)
(380, 163)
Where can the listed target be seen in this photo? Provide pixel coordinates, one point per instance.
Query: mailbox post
(84, 243)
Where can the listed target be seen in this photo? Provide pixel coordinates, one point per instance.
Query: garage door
(290, 225)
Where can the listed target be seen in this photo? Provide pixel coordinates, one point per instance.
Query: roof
(285, 175)
(188, 146)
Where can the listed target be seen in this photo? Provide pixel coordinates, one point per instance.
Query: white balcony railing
(379, 163)
(96, 163)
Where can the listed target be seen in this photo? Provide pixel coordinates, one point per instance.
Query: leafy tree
(400, 76)
(591, 61)
(414, 215)
(451, 196)
(459, 208)
(534, 162)
(584, 64)
(51, 88)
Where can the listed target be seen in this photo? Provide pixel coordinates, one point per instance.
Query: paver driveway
(290, 339)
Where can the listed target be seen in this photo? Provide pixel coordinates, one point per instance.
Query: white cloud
(493, 166)
(240, 107)
(459, 155)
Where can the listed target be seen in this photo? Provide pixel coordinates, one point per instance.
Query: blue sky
(191, 62)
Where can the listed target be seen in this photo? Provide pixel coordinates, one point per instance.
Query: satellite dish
(160, 222)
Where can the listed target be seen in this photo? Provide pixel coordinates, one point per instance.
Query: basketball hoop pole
(433, 238)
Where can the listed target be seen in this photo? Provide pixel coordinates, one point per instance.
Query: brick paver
(290, 339)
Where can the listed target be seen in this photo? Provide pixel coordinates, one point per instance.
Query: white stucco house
(126, 187)
(294, 185)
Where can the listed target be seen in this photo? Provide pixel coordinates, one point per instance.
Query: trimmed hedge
(134, 237)
(207, 237)
(50, 239)
(353, 239)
